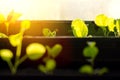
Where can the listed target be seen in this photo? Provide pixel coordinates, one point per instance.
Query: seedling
(79, 28)
(50, 63)
(90, 52)
(15, 41)
(105, 23)
(47, 32)
(34, 50)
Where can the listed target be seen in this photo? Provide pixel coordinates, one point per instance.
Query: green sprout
(105, 23)
(50, 63)
(90, 52)
(15, 41)
(34, 51)
(47, 32)
(79, 28)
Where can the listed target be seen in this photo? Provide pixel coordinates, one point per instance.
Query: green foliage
(48, 67)
(55, 50)
(86, 69)
(101, 26)
(102, 71)
(35, 51)
(79, 28)
(108, 25)
(91, 51)
(6, 54)
(49, 60)
(15, 41)
(47, 32)
(118, 27)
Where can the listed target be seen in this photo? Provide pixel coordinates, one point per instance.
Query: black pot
(70, 59)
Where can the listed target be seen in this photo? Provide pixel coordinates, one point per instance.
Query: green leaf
(79, 28)
(55, 50)
(16, 39)
(101, 20)
(6, 54)
(111, 24)
(35, 51)
(102, 71)
(118, 26)
(42, 68)
(53, 34)
(86, 69)
(90, 52)
(46, 32)
(50, 64)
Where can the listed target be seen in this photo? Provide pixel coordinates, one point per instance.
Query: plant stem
(11, 67)
(18, 52)
(105, 32)
(18, 62)
(21, 60)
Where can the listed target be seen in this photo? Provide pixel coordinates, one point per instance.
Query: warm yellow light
(32, 9)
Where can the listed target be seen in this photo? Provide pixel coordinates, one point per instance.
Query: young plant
(47, 32)
(79, 28)
(90, 52)
(15, 41)
(105, 23)
(49, 60)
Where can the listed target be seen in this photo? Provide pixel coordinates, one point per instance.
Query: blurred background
(61, 9)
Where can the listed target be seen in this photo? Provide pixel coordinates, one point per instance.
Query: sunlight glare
(32, 9)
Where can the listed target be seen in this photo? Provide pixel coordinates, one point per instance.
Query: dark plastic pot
(70, 59)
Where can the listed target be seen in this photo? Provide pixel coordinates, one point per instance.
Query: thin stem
(12, 69)
(105, 32)
(18, 62)
(115, 33)
(21, 60)
(18, 52)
